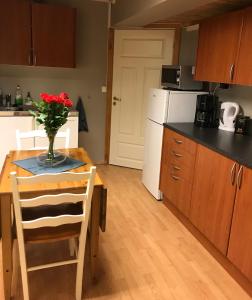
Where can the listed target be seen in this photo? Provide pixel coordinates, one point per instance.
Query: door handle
(231, 74)
(117, 99)
(233, 173)
(35, 59)
(239, 178)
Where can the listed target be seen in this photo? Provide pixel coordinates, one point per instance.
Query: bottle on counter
(18, 97)
(8, 100)
(1, 98)
(28, 99)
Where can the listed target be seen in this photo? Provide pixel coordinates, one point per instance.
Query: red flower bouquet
(52, 111)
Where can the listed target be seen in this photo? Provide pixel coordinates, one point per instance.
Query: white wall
(85, 80)
(239, 94)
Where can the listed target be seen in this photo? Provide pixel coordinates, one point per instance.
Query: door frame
(110, 66)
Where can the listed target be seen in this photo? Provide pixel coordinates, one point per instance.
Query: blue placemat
(31, 165)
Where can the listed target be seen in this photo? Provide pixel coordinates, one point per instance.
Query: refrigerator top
(159, 99)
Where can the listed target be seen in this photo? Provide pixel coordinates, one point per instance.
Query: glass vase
(50, 153)
(51, 158)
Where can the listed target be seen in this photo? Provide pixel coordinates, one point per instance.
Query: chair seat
(52, 234)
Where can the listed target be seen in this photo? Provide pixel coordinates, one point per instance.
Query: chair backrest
(61, 198)
(33, 134)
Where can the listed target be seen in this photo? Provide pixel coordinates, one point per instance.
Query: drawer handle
(178, 141)
(233, 173)
(239, 178)
(175, 177)
(177, 154)
(176, 168)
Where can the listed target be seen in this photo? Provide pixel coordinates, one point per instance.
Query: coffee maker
(207, 111)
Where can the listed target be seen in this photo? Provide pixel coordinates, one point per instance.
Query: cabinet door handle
(176, 168)
(178, 141)
(175, 177)
(233, 173)
(177, 154)
(29, 59)
(239, 178)
(232, 72)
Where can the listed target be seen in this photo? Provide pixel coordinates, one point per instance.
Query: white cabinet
(8, 126)
(72, 124)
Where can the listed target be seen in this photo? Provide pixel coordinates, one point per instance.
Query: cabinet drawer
(177, 190)
(180, 171)
(178, 142)
(179, 158)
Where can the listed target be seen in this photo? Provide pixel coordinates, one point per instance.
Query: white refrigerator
(164, 106)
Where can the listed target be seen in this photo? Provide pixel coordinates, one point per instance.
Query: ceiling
(202, 12)
(164, 13)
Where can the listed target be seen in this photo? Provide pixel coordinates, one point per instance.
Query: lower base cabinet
(240, 244)
(8, 126)
(213, 196)
(177, 169)
(213, 192)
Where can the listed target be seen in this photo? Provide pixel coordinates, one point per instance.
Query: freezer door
(157, 105)
(182, 107)
(152, 157)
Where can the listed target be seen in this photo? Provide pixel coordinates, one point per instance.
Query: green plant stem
(51, 138)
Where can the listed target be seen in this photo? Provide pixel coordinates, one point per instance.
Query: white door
(138, 58)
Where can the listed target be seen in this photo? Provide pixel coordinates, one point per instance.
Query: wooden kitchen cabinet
(177, 169)
(243, 68)
(53, 35)
(15, 32)
(240, 244)
(218, 46)
(37, 34)
(213, 196)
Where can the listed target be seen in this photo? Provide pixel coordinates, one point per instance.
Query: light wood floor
(145, 254)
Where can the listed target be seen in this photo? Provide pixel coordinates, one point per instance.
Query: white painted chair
(33, 134)
(64, 219)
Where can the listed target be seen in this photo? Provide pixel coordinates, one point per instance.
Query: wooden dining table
(97, 216)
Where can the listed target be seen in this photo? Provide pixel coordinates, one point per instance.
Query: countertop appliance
(179, 78)
(164, 106)
(228, 114)
(207, 111)
(242, 125)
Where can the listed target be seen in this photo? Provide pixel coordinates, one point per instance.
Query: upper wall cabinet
(243, 70)
(37, 34)
(53, 35)
(15, 32)
(218, 46)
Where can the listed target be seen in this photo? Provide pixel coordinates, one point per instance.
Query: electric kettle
(228, 114)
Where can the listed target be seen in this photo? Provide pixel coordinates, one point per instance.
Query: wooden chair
(49, 228)
(33, 134)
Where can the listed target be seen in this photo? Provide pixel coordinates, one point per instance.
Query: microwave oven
(179, 78)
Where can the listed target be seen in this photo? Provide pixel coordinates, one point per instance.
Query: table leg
(94, 230)
(6, 244)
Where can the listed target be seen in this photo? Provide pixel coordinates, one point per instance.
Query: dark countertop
(235, 146)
